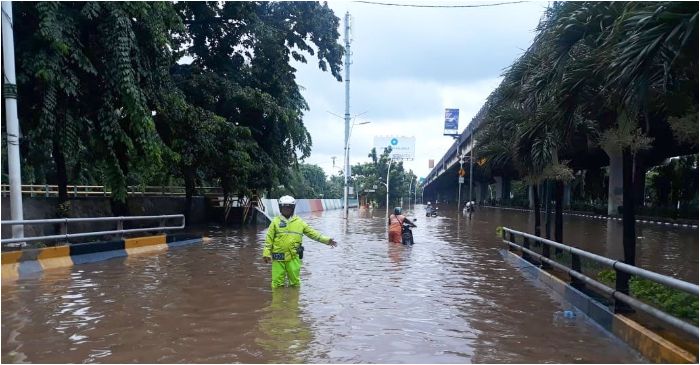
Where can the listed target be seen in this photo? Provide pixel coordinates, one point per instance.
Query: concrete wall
(307, 205)
(83, 207)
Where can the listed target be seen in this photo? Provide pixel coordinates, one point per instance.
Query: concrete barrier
(31, 262)
(647, 342)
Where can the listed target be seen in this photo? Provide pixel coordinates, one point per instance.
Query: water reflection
(450, 298)
(283, 335)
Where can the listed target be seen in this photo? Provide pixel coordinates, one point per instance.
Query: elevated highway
(442, 182)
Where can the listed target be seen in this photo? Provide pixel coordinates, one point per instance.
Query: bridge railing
(119, 230)
(100, 190)
(577, 277)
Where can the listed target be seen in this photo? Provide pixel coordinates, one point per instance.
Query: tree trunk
(121, 208)
(60, 161)
(628, 224)
(548, 220)
(536, 197)
(189, 175)
(559, 212)
(548, 210)
(639, 176)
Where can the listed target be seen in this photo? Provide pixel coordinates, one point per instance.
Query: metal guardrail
(119, 229)
(100, 190)
(618, 266)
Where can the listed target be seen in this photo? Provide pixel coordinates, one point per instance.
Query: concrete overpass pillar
(615, 181)
(483, 191)
(530, 197)
(502, 188)
(499, 187)
(566, 200)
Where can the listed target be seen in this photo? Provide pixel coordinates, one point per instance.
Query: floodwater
(450, 298)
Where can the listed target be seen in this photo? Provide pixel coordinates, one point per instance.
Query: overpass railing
(509, 238)
(119, 230)
(100, 190)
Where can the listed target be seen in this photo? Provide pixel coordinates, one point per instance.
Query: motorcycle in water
(431, 212)
(406, 234)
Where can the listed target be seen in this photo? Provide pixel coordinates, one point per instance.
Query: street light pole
(415, 191)
(347, 113)
(10, 91)
(387, 187)
(410, 184)
(459, 184)
(471, 163)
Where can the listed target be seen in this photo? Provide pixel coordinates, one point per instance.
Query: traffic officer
(283, 243)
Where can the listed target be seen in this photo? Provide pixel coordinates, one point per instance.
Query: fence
(66, 235)
(621, 269)
(100, 190)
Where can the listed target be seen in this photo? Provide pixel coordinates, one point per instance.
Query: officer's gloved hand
(332, 243)
(267, 259)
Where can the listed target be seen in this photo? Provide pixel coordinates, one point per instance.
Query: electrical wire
(438, 6)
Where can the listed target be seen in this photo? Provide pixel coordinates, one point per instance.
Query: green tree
(87, 75)
(241, 71)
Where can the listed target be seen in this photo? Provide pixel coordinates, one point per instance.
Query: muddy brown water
(451, 298)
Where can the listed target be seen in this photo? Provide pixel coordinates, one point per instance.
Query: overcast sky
(408, 65)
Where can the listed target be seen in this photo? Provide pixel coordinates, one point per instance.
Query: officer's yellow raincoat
(281, 243)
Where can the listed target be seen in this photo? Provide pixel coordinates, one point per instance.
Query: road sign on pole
(461, 179)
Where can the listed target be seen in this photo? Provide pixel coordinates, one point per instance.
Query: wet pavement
(449, 299)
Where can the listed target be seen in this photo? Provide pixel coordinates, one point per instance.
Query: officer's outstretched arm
(316, 235)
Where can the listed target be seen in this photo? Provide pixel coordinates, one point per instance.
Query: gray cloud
(408, 65)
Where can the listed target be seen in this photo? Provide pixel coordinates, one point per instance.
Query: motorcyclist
(396, 221)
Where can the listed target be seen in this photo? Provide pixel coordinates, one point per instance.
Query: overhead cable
(439, 6)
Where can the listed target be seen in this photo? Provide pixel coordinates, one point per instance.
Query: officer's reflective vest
(285, 235)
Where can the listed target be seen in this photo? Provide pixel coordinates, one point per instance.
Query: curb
(669, 224)
(652, 346)
(29, 263)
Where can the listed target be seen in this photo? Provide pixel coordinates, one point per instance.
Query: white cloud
(408, 66)
(327, 131)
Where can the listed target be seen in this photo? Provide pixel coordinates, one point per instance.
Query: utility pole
(410, 184)
(415, 191)
(471, 163)
(388, 170)
(10, 92)
(347, 112)
(459, 184)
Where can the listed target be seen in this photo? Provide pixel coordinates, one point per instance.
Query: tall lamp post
(347, 166)
(388, 171)
(471, 163)
(9, 88)
(410, 184)
(346, 162)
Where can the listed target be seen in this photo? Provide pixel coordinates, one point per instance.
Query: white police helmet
(428, 203)
(287, 200)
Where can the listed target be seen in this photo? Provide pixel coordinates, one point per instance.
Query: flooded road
(449, 299)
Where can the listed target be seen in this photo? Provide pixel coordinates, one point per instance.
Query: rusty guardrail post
(512, 239)
(621, 285)
(526, 244)
(120, 228)
(576, 266)
(545, 253)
